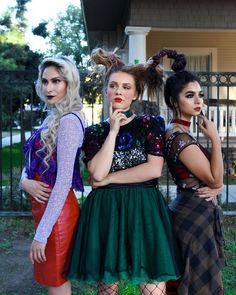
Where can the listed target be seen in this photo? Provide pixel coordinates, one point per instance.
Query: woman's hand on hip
(39, 190)
(209, 194)
(37, 252)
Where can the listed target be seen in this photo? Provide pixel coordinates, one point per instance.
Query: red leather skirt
(59, 245)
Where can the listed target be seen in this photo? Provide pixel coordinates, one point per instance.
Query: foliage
(13, 154)
(7, 63)
(13, 199)
(229, 271)
(13, 97)
(41, 29)
(5, 21)
(20, 228)
(92, 86)
(14, 53)
(7, 119)
(68, 36)
(18, 56)
(20, 14)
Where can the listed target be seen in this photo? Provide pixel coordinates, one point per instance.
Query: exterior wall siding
(224, 42)
(214, 14)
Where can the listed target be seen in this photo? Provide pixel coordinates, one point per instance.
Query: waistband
(190, 190)
(150, 183)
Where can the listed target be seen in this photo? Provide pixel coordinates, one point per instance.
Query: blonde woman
(52, 172)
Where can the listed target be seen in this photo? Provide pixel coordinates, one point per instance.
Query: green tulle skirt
(124, 233)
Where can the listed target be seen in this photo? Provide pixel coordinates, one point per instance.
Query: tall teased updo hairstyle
(176, 82)
(140, 72)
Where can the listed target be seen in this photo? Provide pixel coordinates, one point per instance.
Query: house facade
(140, 28)
(205, 31)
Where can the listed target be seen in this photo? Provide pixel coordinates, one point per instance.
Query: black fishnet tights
(145, 289)
(104, 289)
(152, 289)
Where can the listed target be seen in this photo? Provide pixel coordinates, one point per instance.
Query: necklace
(181, 122)
(128, 113)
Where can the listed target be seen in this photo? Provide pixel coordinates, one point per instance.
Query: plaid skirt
(198, 230)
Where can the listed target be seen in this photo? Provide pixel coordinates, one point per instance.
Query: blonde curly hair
(66, 67)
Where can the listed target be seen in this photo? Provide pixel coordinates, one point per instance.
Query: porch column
(137, 43)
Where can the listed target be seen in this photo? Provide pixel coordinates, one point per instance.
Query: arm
(100, 164)
(210, 173)
(147, 171)
(70, 138)
(39, 190)
(154, 148)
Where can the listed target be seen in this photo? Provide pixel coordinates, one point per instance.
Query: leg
(64, 289)
(104, 289)
(153, 289)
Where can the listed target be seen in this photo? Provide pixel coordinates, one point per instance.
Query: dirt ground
(16, 269)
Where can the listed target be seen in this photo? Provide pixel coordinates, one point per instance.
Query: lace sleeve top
(174, 145)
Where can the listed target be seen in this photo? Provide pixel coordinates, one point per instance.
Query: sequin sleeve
(70, 138)
(155, 135)
(95, 136)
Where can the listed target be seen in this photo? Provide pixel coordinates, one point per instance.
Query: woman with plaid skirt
(196, 217)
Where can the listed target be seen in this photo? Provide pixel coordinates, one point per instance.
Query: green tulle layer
(124, 234)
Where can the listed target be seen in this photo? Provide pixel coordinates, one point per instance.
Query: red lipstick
(118, 99)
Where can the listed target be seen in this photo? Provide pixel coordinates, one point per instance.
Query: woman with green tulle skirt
(124, 232)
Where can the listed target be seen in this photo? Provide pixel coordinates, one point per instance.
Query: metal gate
(21, 111)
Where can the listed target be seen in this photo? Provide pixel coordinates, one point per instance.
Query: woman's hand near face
(116, 117)
(39, 190)
(208, 128)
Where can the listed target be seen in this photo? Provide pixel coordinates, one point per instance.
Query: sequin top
(142, 136)
(63, 172)
(174, 145)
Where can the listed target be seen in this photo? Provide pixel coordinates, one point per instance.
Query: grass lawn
(22, 228)
(13, 154)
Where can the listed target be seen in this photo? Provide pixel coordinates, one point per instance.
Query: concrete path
(6, 141)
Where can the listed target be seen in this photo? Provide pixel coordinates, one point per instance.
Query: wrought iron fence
(21, 111)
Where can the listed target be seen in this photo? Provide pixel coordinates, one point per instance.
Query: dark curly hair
(177, 81)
